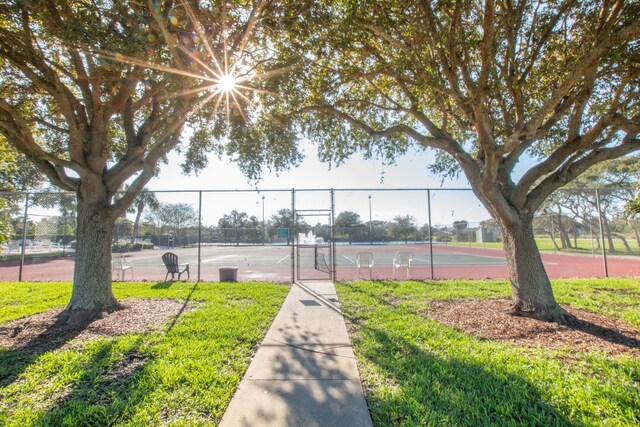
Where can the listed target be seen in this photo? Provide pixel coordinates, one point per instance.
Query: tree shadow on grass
(107, 391)
(110, 386)
(14, 361)
(623, 337)
(427, 389)
(163, 285)
(422, 388)
(603, 332)
(182, 309)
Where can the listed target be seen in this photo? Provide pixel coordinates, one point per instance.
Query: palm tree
(145, 198)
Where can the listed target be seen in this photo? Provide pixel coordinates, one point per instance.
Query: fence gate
(315, 250)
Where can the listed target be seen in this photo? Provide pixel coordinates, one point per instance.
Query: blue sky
(410, 171)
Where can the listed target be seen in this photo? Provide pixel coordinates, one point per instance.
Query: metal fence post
(430, 236)
(24, 235)
(199, 233)
(333, 240)
(370, 223)
(292, 236)
(604, 248)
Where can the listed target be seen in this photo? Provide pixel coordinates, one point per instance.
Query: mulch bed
(490, 319)
(44, 331)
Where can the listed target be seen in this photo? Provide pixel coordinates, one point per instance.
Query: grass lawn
(417, 371)
(546, 244)
(185, 375)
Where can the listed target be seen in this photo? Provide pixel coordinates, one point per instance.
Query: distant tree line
(569, 218)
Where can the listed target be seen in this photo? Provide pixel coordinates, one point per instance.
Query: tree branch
(486, 51)
(570, 171)
(583, 67)
(127, 88)
(569, 147)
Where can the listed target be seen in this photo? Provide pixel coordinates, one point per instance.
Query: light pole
(370, 223)
(263, 227)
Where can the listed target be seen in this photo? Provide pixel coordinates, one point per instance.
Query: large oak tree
(96, 93)
(484, 84)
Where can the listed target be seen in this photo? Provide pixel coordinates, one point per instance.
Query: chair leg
(165, 277)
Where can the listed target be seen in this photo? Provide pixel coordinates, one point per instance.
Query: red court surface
(274, 263)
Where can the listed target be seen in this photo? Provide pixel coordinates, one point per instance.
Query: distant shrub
(121, 247)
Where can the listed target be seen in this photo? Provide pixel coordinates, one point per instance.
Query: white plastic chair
(120, 265)
(402, 259)
(364, 260)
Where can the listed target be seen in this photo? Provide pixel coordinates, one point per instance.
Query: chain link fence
(340, 234)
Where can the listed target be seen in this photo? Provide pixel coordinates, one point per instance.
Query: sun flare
(224, 77)
(227, 83)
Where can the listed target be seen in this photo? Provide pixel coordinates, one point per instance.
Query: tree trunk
(624, 242)
(564, 236)
(607, 232)
(554, 241)
(530, 286)
(634, 227)
(92, 290)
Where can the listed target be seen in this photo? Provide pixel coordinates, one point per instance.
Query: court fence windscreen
(335, 234)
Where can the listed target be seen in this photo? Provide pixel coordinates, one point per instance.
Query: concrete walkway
(304, 373)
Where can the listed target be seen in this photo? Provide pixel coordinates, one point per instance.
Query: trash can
(228, 274)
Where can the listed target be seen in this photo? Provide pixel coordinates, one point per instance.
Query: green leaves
(484, 85)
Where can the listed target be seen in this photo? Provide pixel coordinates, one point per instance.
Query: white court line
(282, 259)
(347, 258)
(217, 258)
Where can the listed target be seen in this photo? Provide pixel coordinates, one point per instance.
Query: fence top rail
(284, 190)
(257, 190)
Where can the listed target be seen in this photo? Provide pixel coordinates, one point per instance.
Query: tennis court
(382, 222)
(281, 262)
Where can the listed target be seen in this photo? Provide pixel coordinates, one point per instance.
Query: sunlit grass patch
(584, 246)
(184, 373)
(416, 371)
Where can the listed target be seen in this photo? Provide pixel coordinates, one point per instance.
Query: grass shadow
(163, 285)
(439, 388)
(108, 390)
(14, 361)
(451, 391)
(602, 332)
(182, 309)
